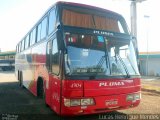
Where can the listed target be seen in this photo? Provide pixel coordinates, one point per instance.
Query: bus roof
(61, 3)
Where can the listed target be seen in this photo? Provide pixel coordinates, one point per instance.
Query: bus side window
(24, 40)
(43, 28)
(48, 55)
(33, 37)
(55, 57)
(27, 42)
(39, 32)
(22, 45)
(52, 21)
(19, 47)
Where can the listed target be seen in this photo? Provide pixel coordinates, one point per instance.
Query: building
(7, 60)
(149, 63)
(9, 55)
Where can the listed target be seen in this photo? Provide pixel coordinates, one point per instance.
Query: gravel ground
(19, 104)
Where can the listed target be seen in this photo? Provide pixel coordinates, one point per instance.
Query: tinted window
(55, 58)
(39, 32)
(43, 28)
(22, 45)
(93, 21)
(19, 47)
(33, 37)
(48, 56)
(52, 21)
(27, 42)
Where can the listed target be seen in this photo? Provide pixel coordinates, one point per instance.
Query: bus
(81, 60)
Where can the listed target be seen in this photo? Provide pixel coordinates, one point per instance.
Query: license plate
(111, 102)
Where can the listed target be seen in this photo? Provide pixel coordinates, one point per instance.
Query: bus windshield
(92, 55)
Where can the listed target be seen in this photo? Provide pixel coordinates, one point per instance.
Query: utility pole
(147, 31)
(133, 12)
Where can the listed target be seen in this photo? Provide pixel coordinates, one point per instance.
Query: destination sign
(103, 33)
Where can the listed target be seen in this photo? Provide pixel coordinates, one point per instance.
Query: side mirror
(134, 38)
(58, 26)
(60, 39)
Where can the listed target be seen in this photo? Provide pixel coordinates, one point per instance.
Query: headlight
(137, 96)
(88, 101)
(75, 102)
(130, 97)
(67, 102)
(134, 96)
(78, 102)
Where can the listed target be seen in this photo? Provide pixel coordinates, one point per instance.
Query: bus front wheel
(41, 90)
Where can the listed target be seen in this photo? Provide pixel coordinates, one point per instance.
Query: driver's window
(48, 55)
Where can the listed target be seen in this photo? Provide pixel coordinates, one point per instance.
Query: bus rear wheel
(21, 79)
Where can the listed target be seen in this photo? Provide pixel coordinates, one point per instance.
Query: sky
(18, 16)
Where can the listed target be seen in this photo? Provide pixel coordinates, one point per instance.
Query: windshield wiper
(99, 66)
(100, 63)
(124, 65)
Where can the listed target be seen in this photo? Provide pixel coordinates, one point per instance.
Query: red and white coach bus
(81, 60)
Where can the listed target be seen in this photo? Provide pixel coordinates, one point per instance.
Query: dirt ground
(19, 104)
(7, 76)
(151, 84)
(149, 104)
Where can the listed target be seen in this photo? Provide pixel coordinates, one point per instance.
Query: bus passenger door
(52, 62)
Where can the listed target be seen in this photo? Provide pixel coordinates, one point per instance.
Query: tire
(21, 79)
(40, 90)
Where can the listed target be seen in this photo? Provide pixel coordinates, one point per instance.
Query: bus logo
(111, 84)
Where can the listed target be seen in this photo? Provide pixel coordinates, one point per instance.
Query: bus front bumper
(103, 104)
